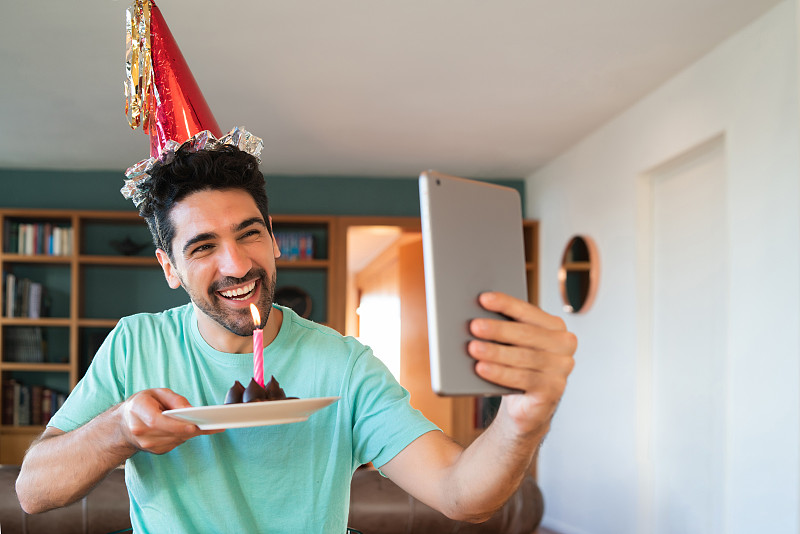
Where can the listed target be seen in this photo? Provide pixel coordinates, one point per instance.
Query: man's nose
(234, 261)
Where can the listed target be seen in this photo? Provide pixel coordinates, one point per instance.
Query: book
(40, 238)
(24, 344)
(9, 386)
(29, 404)
(36, 404)
(22, 297)
(47, 405)
(295, 245)
(22, 405)
(35, 300)
(11, 294)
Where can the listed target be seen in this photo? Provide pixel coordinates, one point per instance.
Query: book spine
(16, 403)
(21, 238)
(36, 405)
(24, 406)
(35, 300)
(47, 239)
(7, 236)
(13, 240)
(24, 292)
(47, 405)
(8, 401)
(57, 241)
(11, 294)
(30, 239)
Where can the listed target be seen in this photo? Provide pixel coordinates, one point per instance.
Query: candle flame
(256, 315)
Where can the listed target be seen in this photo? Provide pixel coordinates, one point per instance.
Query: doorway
(386, 310)
(685, 257)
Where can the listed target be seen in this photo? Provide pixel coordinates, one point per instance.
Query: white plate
(251, 413)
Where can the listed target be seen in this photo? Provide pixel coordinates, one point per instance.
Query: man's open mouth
(240, 293)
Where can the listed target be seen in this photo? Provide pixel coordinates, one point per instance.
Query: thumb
(169, 399)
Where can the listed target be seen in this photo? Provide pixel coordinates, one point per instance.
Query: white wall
(595, 468)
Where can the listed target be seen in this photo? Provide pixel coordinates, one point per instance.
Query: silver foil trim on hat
(138, 174)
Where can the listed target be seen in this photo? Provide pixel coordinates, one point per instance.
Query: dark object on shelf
(294, 298)
(127, 247)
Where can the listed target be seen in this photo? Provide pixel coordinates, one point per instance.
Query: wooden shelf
(43, 321)
(127, 261)
(578, 266)
(36, 367)
(303, 264)
(35, 258)
(97, 323)
(24, 429)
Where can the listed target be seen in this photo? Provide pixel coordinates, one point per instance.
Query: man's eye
(251, 233)
(201, 248)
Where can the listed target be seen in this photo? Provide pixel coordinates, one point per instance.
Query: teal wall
(144, 289)
(311, 195)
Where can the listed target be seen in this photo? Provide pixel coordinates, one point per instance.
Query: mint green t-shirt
(291, 478)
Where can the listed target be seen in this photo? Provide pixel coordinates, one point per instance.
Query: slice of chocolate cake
(255, 393)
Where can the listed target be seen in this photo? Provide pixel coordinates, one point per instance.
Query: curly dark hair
(223, 167)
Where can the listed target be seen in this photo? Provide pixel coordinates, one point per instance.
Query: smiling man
(225, 261)
(207, 210)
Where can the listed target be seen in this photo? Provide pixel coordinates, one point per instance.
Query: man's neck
(223, 340)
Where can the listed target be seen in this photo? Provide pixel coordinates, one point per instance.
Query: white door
(689, 319)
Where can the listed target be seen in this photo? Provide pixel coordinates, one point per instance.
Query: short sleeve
(384, 423)
(100, 388)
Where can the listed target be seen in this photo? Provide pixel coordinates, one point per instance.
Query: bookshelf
(52, 248)
(89, 283)
(314, 271)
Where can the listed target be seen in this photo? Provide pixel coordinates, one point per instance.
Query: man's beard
(237, 321)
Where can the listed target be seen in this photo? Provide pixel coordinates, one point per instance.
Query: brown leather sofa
(377, 506)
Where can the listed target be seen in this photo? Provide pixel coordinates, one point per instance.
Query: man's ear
(169, 270)
(276, 251)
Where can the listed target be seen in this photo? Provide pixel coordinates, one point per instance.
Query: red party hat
(160, 91)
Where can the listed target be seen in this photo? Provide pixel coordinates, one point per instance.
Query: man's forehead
(213, 212)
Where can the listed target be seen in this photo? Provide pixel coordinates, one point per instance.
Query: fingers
(529, 326)
(523, 334)
(169, 399)
(147, 428)
(547, 387)
(519, 310)
(520, 357)
(532, 352)
(521, 368)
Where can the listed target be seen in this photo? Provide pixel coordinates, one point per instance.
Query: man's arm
(532, 353)
(60, 468)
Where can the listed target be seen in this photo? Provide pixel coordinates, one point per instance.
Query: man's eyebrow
(205, 236)
(199, 237)
(249, 222)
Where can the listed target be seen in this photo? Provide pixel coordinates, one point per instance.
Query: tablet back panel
(472, 242)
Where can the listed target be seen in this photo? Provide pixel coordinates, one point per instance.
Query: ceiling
(377, 88)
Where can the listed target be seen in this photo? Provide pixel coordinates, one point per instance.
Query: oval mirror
(579, 274)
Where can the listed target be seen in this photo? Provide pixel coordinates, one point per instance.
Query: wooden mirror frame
(589, 267)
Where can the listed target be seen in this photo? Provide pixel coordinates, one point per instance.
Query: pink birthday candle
(258, 347)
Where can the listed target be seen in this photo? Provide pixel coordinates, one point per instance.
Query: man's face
(224, 257)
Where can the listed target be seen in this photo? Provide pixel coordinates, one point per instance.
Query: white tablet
(472, 242)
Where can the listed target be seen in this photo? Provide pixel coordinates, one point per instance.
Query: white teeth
(244, 290)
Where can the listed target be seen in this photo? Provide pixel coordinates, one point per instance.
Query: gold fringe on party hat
(161, 93)
(163, 97)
